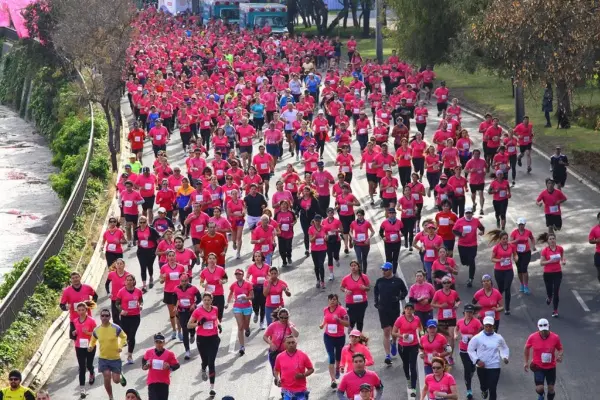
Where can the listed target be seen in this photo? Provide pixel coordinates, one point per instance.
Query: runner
(188, 298)
(276, 332)
(114, 239)
(318, 249)
(558, 166)
(547, 351)
(552, 259)
(503, 256)
(111, 339)
(273, 292)
(146, 239)
(439, 383)
(390, 231)
(433, 345)
(500, 188)
(446, 300)
(15, 390)
(205, 319)
(431, 242)
(170, 274)
(594, 238)
(389, 291)
(116, 281)
(263, 238)
(361, 231)
(352, 383)
(524, 131)
(81, 335)
(333, 227)
(212, 279)
(335, 319)
(488, 351)
(292, 367)
(466, 328)
(489, 300)
(344, 204)
(551, 199)
(259, 272)
(525, 243)
(406, 331)
(358, 344)
(74, 294)
(356, 285)
(243, 292)
(129, 302)
(159, 362)
(467, 229)
(286, 219)
(475, 169)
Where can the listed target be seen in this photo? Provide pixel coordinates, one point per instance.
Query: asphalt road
(249, 377)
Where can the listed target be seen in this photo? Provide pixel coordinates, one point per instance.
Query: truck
(228, 10)
(264, 14)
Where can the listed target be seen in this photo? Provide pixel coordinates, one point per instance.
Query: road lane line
(369, 210)
(580, 300)
(233, 337)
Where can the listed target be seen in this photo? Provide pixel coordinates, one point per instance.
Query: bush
(70, 139)
(63, 182)
(56, 273)
(13, 276)
(587, 117)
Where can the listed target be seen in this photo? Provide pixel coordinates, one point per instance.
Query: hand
(226, 306)
(202, 321)
(220, 329)
(505, 360)
(124, 313)
(166, 366)
(526, 367)
(119, 350)
(559, 358)
(74, 333)
(422, 355)
(480, 364)
(299, 376)
(146, 367)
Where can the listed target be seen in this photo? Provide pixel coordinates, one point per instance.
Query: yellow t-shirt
(111, 338)
(22, 393)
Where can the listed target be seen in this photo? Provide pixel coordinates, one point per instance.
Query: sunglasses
(239, 274)
(142, 222)
(112, 221)
(446, 283)
(542, 325)
(436, 368)
(283, 317)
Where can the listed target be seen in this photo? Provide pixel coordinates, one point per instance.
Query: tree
(536, 41)
(94, 37)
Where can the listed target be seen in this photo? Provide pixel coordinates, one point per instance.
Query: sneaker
(526, 290)
(450, 360)
(481, 212)
(410, 249)
(506, 312)
(284, 265)
(522, 289)
(129, 245)
(289, 260)
(337, 374)
(474, 207)
(541, 397)
(144, 289)
(333, 384)
(242, 351)
(519, 163)
(548, 300)
(528, 170)
(388, 360)
(151, 283)
(306, 253)
(234, 245)
(555, 314)
(180, 336)
(237, 255)
(187, 355)
(513, 183)
(484, 394)
(82, 393)
(255, 318)
(470, 282)
(331, 277)
(92, 379)
(372, 202)
(498, 224)
(204, 375)
(346, 251)
(247, 333)
(263, 325)
(469, 394)
(318, 285)
(129, 360)
(413, 392)
(123, 381)
(212, 393)
(394, 348)
(323, 285)
(337, 263)
(173, 335)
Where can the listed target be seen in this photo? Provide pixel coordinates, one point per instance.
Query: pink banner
(10, 15)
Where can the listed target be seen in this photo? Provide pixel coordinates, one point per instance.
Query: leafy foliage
(13, 276)
(56, 273)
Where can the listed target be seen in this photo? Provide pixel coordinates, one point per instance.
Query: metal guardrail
(12, 304)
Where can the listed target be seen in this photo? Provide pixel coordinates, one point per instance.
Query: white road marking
(580, 300)
(233, 337)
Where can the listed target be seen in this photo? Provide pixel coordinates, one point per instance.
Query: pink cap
(355, 332)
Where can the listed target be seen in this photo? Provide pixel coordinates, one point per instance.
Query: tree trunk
(111, 137)
(341, 15)
(354, 8)
(366, 14)
(383, 14)
(563, 97)
(292, 12)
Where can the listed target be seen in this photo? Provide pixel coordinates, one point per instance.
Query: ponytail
(495, 235)
(543, 237)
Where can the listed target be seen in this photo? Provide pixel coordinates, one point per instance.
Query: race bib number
(144, 243)
(128, 203)
(137, 139)
(344, 207)
(361, 237)
(132, 304)
(415, 196)
(447, 313)
(185, 302)
(502, 193)
(319, 241)
(84, 342)
(553, 209)
(147, 186)
(467, 229)
(332, 328)
(345, 169)
(263, 166)
(466, 338)
(409, 212)
(521, 248)
(490, 314)
(158, 137)
(210, 288)
(264, 248)
(199, 198)
(389, 190)
(111, 247)
(512, 149)
(444, 221)
(285, 227)
(409, 338)
(555, 257)
(208, 325)
(362, 131)
(290, 186)
(158, 364)
(357, 298)
(546, 358)
(459, 190)
(505, 262)
(430, 253)
(275, 299)
(199, 228)
(260, 280)
(393, 237)
(174, 276)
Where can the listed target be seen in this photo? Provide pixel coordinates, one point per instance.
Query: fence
(33, 274)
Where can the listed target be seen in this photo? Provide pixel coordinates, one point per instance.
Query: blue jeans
(287, 395)
(268, 312)
(269, 258)
(428, 265)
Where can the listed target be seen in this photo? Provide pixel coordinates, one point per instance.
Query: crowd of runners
(240, 102)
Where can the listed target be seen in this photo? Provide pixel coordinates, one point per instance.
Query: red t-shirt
(544, 350)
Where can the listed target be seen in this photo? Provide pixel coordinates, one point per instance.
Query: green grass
(487, 92)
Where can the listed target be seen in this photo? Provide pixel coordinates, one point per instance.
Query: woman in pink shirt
(81, 336)
(439, 384)
(129, 302)
(358, 344)
(280, 194)
(273, 290)
(406, 331)
(114, 282)
(335, 319)
(317, 237)
(258, 273)
(277, 331)
(356, 285)
(503, 255)
(524, 242)
(333, 227)
(552, 259)
(169, 275)
(500, 188)
(114, 239)
(420, 294)
(236, 211)
(489, 300)
(345, 203)
(242, 291)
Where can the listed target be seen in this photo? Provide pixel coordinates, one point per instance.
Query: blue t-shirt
(258, 110)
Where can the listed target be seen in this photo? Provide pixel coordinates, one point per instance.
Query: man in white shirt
(488, 350)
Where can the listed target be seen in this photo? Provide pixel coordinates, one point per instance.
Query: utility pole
(378, 33)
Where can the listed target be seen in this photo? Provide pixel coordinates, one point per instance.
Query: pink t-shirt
(450, 298)
(262, 162)
(432, 348)
(501, 190)
(468, 231)
(83, 339)
(350, 383)
(488, 302)
(129, 201)
(213, 280)
(505, 255)
(320, 241)
(117, 282)
(595, 234)
(552, 255)
(279, 196)
(147, 184)
(467, 331)
(286, 223)
(266, 246)
(130, 301)
(259, 275)
(322, 181)
(476, 169)
(522, 240)
(550, 201)
(392, 232)
(277, 333)
(443, 385)
(431, 245)
(357, 294)
(72, 297)
(422, 291)
(347, 353)
(113, 241)
(544, 350)
(331, 319)
(171, 276)
(210, 325)
(239, 291)
(332, 227)
(408, 330)
(274, 297)
(346, 204)
(288, 365)
(360, 232)
(157, 373)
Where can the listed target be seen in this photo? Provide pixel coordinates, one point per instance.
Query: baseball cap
(468, 209)
(521, 221)
(317, 217)
(159, 337)
(386, 266)
(469, 308)
(444, 176)
(432, 323)
(392, 210)
(488, 321)
(355, 332)
(365, 386)
(320, 164)
(162, 210)
(146, 169)
(543, 324)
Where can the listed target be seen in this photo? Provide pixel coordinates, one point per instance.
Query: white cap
(162, 210)
(488, 321)
(521, 221)
(321, 112)
(468, 208)
(543, 324)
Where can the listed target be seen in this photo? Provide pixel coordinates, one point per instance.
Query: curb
(56, 341)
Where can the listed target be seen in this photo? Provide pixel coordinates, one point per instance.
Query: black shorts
(442, 106)
(169, 298)
(541, 375)
(372, 178)
(490, 151)
(148, 203)
(449, 244)
(385, 203)
(131, 218)
(446, 323)
(554, 220)
(387, 316)
(265, 177)
(246, 149)
(479, 187)
(346, 220)
(428, 85)
(137, 151)
(561, 179)
(523, 262)
(524, 147)
(195, 241)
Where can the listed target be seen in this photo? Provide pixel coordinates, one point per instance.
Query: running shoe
(187, 355)
(519, 163)
(212, 393)
(548, 300)
(555, 314)
(526, 290)
(318, 285)
(522, 289)
(346, 251)
(242, 351)
(337, 263)
(470, 282)
(388, 360)
(192, 338)
(92, 379)
(331, 277)
(484, 394)
(337, 373)
(180, 336)
(151, 283)
(469, 395)
(263, 325)
(506, 312)
(481, 212)
(173, 335)
(528, 170)
(333, 384)
(323, 285)
(204, 375)
(129, 361)
(123, 380)
(413, 392)
(394, 348)
(450, 360)
(82, 393)
(255, 318)
(247, 333)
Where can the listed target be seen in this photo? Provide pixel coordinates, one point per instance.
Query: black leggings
(500, 207)
(85, 360)
(184, 317)
(319, 262)
(504, 280)
(552, 281)
(219, 302)
(409, 355)
(458, 206)
(513, 165)
(130, 325)
(356, 314)
(146, 259)
(116, 314)
(488, 380)
(404, 173)
(333, 252)
(468, 367)
(208, 346)
(205, 135)
(183, 214)
(392, 252)
(324, 202)
(158, 391)
(419, 165)
(320, 146)
(408, 230)
(305, 224)
(258, 302)
(285, 249)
